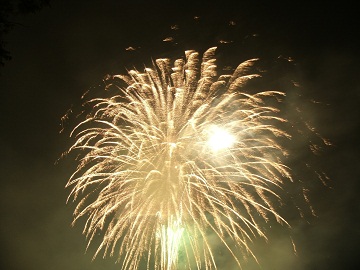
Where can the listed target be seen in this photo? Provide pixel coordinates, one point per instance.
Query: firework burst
(180, 153)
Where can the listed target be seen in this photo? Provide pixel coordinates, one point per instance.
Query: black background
(65, 49)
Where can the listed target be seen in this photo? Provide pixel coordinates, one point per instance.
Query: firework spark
(180, 153)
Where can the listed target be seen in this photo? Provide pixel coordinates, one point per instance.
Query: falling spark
(130, 48)
(168, 39)
(178, 154)
(225, 41)
(174, 27)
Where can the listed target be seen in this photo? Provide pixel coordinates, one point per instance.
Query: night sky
(64, 50)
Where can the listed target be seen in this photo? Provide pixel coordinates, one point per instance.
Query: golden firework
(180, 153)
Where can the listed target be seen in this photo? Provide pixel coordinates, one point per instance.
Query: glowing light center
(220, 139)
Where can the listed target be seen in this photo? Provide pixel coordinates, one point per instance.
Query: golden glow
(152, 173)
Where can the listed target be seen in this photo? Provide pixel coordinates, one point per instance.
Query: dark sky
(63, 50)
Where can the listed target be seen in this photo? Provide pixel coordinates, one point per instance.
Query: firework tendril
(180, 153)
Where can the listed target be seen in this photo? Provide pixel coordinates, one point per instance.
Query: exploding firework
(180, 153)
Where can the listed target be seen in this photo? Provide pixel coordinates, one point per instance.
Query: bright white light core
(220, 139)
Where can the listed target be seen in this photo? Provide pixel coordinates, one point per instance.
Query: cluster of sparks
(179, 154)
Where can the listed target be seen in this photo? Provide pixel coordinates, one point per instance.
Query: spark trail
(180, 153)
